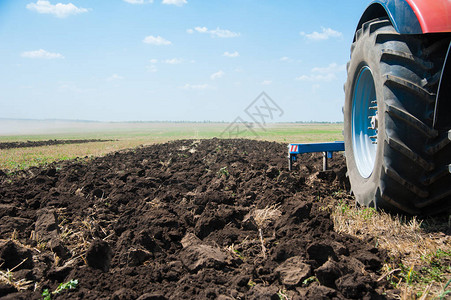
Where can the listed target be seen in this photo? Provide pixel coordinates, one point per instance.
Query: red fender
(412, 16)
(433, 16)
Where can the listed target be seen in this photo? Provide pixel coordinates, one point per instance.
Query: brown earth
(10, 145)
(210, 219)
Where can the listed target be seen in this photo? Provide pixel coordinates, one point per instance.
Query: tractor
(397, 131)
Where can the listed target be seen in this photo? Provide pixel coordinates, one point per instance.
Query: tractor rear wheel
(389, 105)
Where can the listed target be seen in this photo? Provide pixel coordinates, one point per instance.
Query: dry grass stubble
(420, 251)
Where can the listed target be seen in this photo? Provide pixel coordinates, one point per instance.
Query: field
(202, 218)
(130, 135)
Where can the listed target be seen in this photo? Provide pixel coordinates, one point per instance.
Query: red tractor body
(412, 16)
(433, 16)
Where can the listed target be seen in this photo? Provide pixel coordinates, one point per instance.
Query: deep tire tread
(442, 142)
(375, 25)
(435, 176)
(408, 57)
(409, 185)
(407, 152)
(423, 93)
(434, 199)
(408, 118)
(398, 206)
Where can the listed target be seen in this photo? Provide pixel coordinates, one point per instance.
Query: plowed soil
(10, 145)
(210, 219)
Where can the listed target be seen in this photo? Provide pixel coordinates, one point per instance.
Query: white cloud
(201, 29)
(41, 53)
(325, 34)
(175, 2)
(59, 10)
(156, 40)
(173, 61)
(332, 68)
(217, 75)
(223, 33)
(323, 73)
(152, 67)
(289, 60)
(169, 61)
(266, 82)
(115, 77)
(198, 87)
(218, 32)
(231, 54)
(317, 77)
(138, 1)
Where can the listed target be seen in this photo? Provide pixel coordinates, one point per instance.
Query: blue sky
(141, 60)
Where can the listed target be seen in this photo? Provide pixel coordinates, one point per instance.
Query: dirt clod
(137, 257)
(293, 271)
(321, 252)
(152, 296)
(197, 257)
(6, 289)
(328, 273)
(354, 285)
(46, 226)
(99, 255)
(15, 256)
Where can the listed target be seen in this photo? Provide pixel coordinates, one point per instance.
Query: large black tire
(410, 173)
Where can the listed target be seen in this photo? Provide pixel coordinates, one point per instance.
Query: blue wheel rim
(364, 134)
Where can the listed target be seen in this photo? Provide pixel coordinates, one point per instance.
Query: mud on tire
(405, 170)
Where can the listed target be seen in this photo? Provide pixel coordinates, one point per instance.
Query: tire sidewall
(366, 53)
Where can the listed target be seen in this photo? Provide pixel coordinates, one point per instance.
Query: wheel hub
(365, 123)
(373, 122)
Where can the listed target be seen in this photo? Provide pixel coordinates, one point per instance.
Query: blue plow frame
(326, 148)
